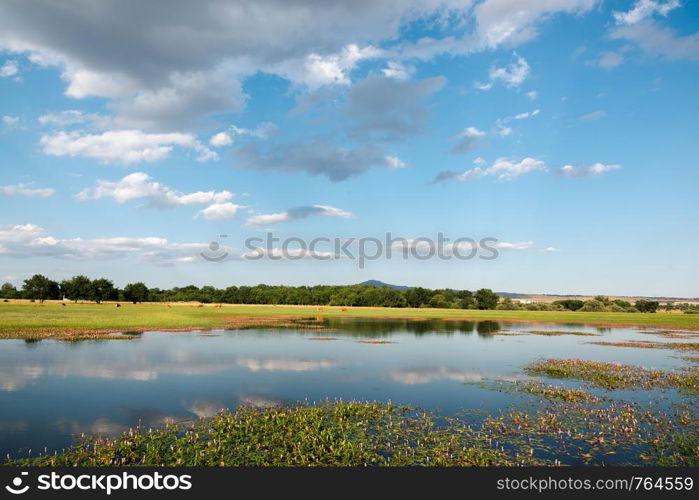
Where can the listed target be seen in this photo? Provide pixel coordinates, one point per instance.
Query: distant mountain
(382, 284)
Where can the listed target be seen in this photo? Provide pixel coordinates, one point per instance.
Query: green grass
(20, 320)
(330, 434)
(560, 428)
(613, 376)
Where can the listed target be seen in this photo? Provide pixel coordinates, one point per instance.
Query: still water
(51, 391)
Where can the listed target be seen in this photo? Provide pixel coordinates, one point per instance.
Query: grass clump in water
(329, 434)
(643, 344)
(554, 333)
(613, 376)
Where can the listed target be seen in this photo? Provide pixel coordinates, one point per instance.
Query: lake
(51, 391)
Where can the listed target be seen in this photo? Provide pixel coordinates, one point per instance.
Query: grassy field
(52, 319)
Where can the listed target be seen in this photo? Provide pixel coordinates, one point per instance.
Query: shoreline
(90, 321)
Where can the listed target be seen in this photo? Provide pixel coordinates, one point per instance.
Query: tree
(647, 306)
(570, 304)
(438, 300)
(486, 299)
(77, 288)
(418, 296)
(40, 288)
(593, 305)
(465, 299)
(136, 292)
(102, 289)
(8, 291)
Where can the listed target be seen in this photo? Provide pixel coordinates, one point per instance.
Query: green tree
(570, 304)
(136, 292)
(77, 288)
(486, 299)
(40, 288)
(418, 296)
(8, 291)
(593, 305)
(102, 289)
(647, 306)
(438, 300)
(464, 299)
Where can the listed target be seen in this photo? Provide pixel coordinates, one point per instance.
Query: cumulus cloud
(511, 75)
(384, 108)
(467, 140)
(503, 168)
(317, 157)
(29, 240)
(643, 9)
(170, 69)
(122, 146)
(587, 170)
(316, 70)
(220, 211)
(297, 213)
(26, 190)
(141, 186)
(9, 68)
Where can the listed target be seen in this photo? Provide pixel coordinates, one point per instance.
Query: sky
(150, 141)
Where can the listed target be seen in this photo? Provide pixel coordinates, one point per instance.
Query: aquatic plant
(616, 375)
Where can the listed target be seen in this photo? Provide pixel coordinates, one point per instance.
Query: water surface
(50, 391)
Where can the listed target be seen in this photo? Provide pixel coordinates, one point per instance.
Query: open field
(21, 319)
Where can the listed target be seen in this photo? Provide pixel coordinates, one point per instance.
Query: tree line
(41, 288)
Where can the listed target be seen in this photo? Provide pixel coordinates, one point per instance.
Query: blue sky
(133, 136)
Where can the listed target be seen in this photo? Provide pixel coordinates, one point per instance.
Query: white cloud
(8, 69)
(29, 240)
(220, 211)
(586, 171)
(522, 245)
(394, 162)
(467, 139)
(122, 146)
(595, 115)
(140, 186)
(503, 131)
(172, 70)
(225, 138)
(221, 139)
(398, 70)
(532, 95)
(64, 118)
(657, 40)
(513, 22)
(26, 190)
(10, 121)
(609, 60)
(332, 69)
(550, 250)
(511, 75)
(643, 9)
(297, 213)
(503, 168)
